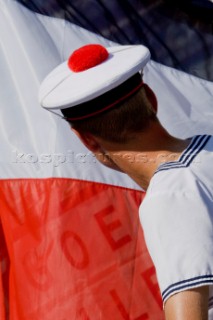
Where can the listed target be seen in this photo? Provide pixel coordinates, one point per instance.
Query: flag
(71, 243)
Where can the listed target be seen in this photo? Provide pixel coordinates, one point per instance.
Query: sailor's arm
(188, 305)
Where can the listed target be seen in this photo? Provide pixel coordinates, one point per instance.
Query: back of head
(100, 91)
(122, 122)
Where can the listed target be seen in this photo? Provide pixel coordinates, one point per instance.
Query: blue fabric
(179, 34)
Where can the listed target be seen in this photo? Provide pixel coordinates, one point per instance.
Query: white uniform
(177, 218)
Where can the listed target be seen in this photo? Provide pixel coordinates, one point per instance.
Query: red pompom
(87, 57)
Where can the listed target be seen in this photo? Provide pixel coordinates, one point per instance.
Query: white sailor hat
(94, 79)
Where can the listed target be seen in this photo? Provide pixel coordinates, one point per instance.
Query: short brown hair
(121, 122)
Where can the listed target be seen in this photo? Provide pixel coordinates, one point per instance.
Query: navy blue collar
(196, 145)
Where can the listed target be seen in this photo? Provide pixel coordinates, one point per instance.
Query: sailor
(101, 93)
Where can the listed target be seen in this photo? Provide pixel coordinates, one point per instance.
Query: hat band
(104, 102)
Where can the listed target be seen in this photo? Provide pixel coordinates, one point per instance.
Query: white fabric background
(31, 45)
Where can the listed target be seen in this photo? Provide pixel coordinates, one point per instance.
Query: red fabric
(87, 57)
(4, 276)
(76, 254)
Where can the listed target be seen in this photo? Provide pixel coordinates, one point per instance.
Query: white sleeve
(178, 230)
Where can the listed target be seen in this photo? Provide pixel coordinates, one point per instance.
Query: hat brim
(63, 88)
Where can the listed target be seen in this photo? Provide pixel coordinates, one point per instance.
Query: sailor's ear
(88, 140)
(151, 97)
